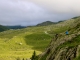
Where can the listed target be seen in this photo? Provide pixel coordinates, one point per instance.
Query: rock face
(68, 53)
(57, 53)
(63, 48)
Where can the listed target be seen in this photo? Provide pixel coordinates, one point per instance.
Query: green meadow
(21, 43)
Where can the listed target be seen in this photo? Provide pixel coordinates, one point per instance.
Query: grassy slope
(73, 27)
(21, 43)
(3, 28)
(14, 43)
(75, 42)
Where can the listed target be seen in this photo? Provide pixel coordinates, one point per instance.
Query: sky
(32, 12)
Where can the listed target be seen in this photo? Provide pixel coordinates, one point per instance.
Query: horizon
(33, 25)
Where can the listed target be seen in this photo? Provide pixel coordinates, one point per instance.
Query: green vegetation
(16, 44)
(75, 17)
(59, 47)
(46, 23)
(44, 57)
(16, 27)
(74, 42)
(3, 28)
(20, 44)
(77, 58)
(34, 56)
(36, 38)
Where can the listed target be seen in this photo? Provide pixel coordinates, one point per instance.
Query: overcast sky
(32, 12)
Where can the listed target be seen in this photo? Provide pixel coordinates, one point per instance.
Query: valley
(21, 43)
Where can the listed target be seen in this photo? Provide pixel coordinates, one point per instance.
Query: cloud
(31, 12)
(15, 12)
(60, 6)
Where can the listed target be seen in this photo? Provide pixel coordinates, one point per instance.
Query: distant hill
(46, 23)
(3, 28)
(16, 27)
(76, 17)
(20, 43)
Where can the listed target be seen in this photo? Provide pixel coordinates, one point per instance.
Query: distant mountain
(76, 17)
(3, 28)
(46, 23)
(16, 27)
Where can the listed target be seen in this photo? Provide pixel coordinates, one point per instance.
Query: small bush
(34, 56)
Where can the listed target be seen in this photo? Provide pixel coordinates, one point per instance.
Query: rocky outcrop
(68, 53)
(57, 50)
(64, 47)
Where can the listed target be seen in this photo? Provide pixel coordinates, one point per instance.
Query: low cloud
(32, 12)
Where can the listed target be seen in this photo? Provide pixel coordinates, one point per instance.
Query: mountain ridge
(67, 49)
(46, 23)
(3, 28)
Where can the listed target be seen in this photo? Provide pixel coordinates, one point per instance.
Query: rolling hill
(3, 28)
(16, 27)
(46, 23)
(21, 43)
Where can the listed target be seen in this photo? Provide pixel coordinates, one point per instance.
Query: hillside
(3, 28)
(65, 47)
(21, 43)
(46, 23)
(16, 27)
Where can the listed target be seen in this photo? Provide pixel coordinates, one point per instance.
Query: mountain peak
(46, 23)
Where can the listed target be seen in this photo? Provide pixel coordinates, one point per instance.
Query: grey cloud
(31, 12)
(18, 12)
(60, 6)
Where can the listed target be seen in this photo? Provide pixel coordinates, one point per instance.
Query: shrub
(34, 56)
